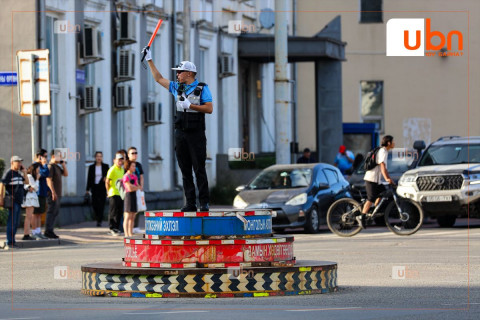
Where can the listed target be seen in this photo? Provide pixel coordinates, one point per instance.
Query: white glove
(148, 56)
(185, 104)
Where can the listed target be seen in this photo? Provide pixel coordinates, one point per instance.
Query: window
(372, 109)
(206, 8)
(89, 124)
(331, 176)
(371, 11)
(321, 178)
(202, 65)
(179, 52)
(121, 130)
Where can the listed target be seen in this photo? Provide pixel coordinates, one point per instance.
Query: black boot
(189, 208)
(204, 207)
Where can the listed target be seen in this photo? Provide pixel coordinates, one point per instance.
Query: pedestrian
(12, 186)
(344, 160)
(306, 157)
(131, 185)
(97, 173)
(42, 170)
(193, 101)
(57, 169)
(133, 156)
(115, 202)
(373, 178)
(30, 200)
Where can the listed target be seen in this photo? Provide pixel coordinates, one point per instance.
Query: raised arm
(164, 82)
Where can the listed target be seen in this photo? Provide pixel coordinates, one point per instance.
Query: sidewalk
(85, 232)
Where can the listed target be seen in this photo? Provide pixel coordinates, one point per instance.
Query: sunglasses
(133, 152)
(180, 71)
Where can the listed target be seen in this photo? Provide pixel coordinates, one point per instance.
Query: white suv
(446, 180)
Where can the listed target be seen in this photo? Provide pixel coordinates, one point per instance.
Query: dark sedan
(300, 194)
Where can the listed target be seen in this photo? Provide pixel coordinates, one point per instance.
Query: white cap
(186, 66)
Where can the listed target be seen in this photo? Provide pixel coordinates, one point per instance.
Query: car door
(324, 196)
(334, 182)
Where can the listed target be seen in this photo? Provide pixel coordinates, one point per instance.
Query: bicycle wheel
(341, 217)
(408, 221)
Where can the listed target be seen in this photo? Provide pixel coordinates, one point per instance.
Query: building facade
(102, 99)
(409, 97)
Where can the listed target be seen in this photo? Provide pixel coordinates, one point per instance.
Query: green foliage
(2, 167)
(222, 194)
(3, 216)
(261, 161)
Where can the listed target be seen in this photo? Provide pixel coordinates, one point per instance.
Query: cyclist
(373, 178)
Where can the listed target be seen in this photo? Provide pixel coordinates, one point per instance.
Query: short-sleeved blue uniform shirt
(204, 98)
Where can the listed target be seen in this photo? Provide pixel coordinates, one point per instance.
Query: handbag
(141, 205)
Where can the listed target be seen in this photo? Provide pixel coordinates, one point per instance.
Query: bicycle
(402, 216)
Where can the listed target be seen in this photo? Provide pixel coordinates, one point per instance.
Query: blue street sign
(208, 226)
(80, 76)
(8, 78)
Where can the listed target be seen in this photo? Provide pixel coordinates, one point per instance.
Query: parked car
(299, 193)
(446, 180)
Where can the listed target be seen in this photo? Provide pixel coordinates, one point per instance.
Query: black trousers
(191, 151)
(115, 212)
(99, 196)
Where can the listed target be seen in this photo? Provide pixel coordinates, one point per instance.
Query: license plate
(438, 198)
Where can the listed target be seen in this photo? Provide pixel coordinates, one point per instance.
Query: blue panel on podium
(208, 225)
(226, 226)
(173, 226)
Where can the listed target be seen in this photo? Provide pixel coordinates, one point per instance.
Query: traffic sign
(33, 82)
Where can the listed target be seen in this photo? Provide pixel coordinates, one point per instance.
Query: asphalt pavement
(430, 275)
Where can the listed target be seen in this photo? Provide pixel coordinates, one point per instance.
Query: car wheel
(446, 221)
(313, 220)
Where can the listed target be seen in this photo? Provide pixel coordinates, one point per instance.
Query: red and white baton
(152, 37)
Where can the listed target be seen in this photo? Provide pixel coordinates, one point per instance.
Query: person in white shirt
(373, 178)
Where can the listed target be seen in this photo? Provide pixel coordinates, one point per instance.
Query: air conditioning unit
(123, 96)
(226, 66)
(128, 22)
(126, 64)
(153, 113)
(92, 97)
(92, 43)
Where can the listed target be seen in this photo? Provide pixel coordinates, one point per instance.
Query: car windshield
(398, 161)
(282, 179)
(451, 154)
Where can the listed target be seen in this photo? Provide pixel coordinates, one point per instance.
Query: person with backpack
(131, 185)
(194, 100)
(12, 187)
(41, 169)
(115, 201)
(376, 167)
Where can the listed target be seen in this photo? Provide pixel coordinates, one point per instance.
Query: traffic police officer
(193, 100)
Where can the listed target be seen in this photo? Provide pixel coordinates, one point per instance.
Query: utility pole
(186, 30)
(282, 104)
